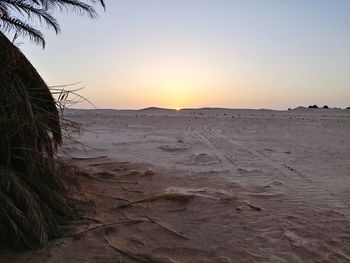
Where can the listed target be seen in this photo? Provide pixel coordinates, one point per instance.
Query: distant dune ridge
(216, 111)
(207, 109)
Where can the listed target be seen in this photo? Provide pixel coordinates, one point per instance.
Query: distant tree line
(324, 107)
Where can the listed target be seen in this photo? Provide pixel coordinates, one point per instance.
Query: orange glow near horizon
(193, 79)
(171, 81)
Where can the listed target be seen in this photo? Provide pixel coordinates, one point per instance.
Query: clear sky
(196, 53)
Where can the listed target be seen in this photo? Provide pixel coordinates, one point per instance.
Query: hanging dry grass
(34, 185)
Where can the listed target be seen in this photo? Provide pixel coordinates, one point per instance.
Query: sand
(209, 185)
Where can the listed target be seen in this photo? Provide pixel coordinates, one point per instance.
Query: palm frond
(20, 15)
(22, 28)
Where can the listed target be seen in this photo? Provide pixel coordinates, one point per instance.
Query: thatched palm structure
(33, 184)
(30, 190)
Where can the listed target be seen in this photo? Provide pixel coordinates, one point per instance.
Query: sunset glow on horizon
(181, 54)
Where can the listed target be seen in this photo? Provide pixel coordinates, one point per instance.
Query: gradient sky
(195, 53)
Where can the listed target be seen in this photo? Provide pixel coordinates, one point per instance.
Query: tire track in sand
(296, 185)
(281, 168)
(223, 159)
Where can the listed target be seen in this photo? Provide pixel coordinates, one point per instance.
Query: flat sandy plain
(301, 154)
(258, 186)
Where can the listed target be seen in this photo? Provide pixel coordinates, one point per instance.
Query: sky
(203, 53)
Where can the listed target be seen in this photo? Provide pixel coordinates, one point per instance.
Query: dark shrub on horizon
(325, 107)
(313, 107)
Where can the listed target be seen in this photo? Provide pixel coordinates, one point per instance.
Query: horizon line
(208, 108)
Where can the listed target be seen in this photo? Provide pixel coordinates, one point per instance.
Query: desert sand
(208, 185)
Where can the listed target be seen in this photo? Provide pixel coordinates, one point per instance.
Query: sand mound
(174, 147)
(202, 159)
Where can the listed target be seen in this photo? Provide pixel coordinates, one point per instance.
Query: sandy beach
(209, 185)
